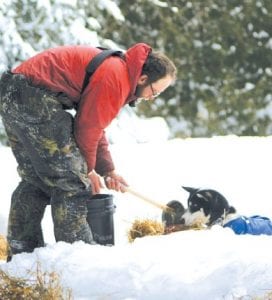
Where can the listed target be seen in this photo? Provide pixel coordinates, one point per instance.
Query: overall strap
(95, 63)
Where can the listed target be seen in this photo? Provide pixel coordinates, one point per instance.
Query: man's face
(149, 91)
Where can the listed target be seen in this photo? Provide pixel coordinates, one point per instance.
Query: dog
(209, 207)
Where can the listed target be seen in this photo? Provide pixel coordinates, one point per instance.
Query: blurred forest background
(222, 49)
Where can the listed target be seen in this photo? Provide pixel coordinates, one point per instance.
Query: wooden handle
(150, 201)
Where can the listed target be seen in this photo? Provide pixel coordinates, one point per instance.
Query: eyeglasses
(154, 94)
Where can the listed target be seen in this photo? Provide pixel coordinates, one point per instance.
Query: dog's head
(205, 206)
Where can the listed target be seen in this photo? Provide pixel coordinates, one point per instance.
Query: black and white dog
(209, 207)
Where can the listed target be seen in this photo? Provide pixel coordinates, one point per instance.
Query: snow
(129, 128)
(112, 8)
(44, 24)
(192, 265)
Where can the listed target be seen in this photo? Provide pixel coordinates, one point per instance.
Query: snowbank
(207, 264)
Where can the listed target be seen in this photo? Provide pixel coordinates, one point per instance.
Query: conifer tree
(223, 53)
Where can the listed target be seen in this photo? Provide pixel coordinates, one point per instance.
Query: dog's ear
(232, 210)
(189, 189)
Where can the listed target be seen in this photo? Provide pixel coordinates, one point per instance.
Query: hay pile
(3, 248)
(267, 296)
(141, 228)
(42, 285)
(39, 285)
(181, 227)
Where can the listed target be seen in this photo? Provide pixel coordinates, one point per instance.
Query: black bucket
(100, 218)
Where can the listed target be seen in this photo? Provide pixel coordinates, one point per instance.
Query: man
(61, 158)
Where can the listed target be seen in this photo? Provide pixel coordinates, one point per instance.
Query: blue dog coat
(255, 225)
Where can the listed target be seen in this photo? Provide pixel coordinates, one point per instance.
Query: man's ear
(142, 80)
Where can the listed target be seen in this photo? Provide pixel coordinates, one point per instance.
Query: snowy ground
(192, 265)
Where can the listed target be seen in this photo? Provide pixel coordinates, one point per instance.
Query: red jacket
(62, 69)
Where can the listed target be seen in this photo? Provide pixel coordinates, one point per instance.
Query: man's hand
(95, 181)
(115, 182)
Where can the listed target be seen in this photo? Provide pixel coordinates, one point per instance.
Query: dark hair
(157, 66)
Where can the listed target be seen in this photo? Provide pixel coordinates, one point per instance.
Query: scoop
(172, 212)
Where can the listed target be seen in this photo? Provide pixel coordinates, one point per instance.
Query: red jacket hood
(135, 58)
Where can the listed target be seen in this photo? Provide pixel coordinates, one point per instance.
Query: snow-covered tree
(30, 26)
(223, 53)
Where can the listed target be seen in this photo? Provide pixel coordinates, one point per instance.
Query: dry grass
(40, 285)
(181, 227)
(3, 248)
(141, 228)
(267, 296)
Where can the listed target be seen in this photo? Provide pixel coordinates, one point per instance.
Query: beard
(139, 90)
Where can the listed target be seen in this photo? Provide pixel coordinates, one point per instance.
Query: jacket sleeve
(99, 105)
(104, 161)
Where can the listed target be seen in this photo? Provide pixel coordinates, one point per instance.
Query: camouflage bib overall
(51, 167)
